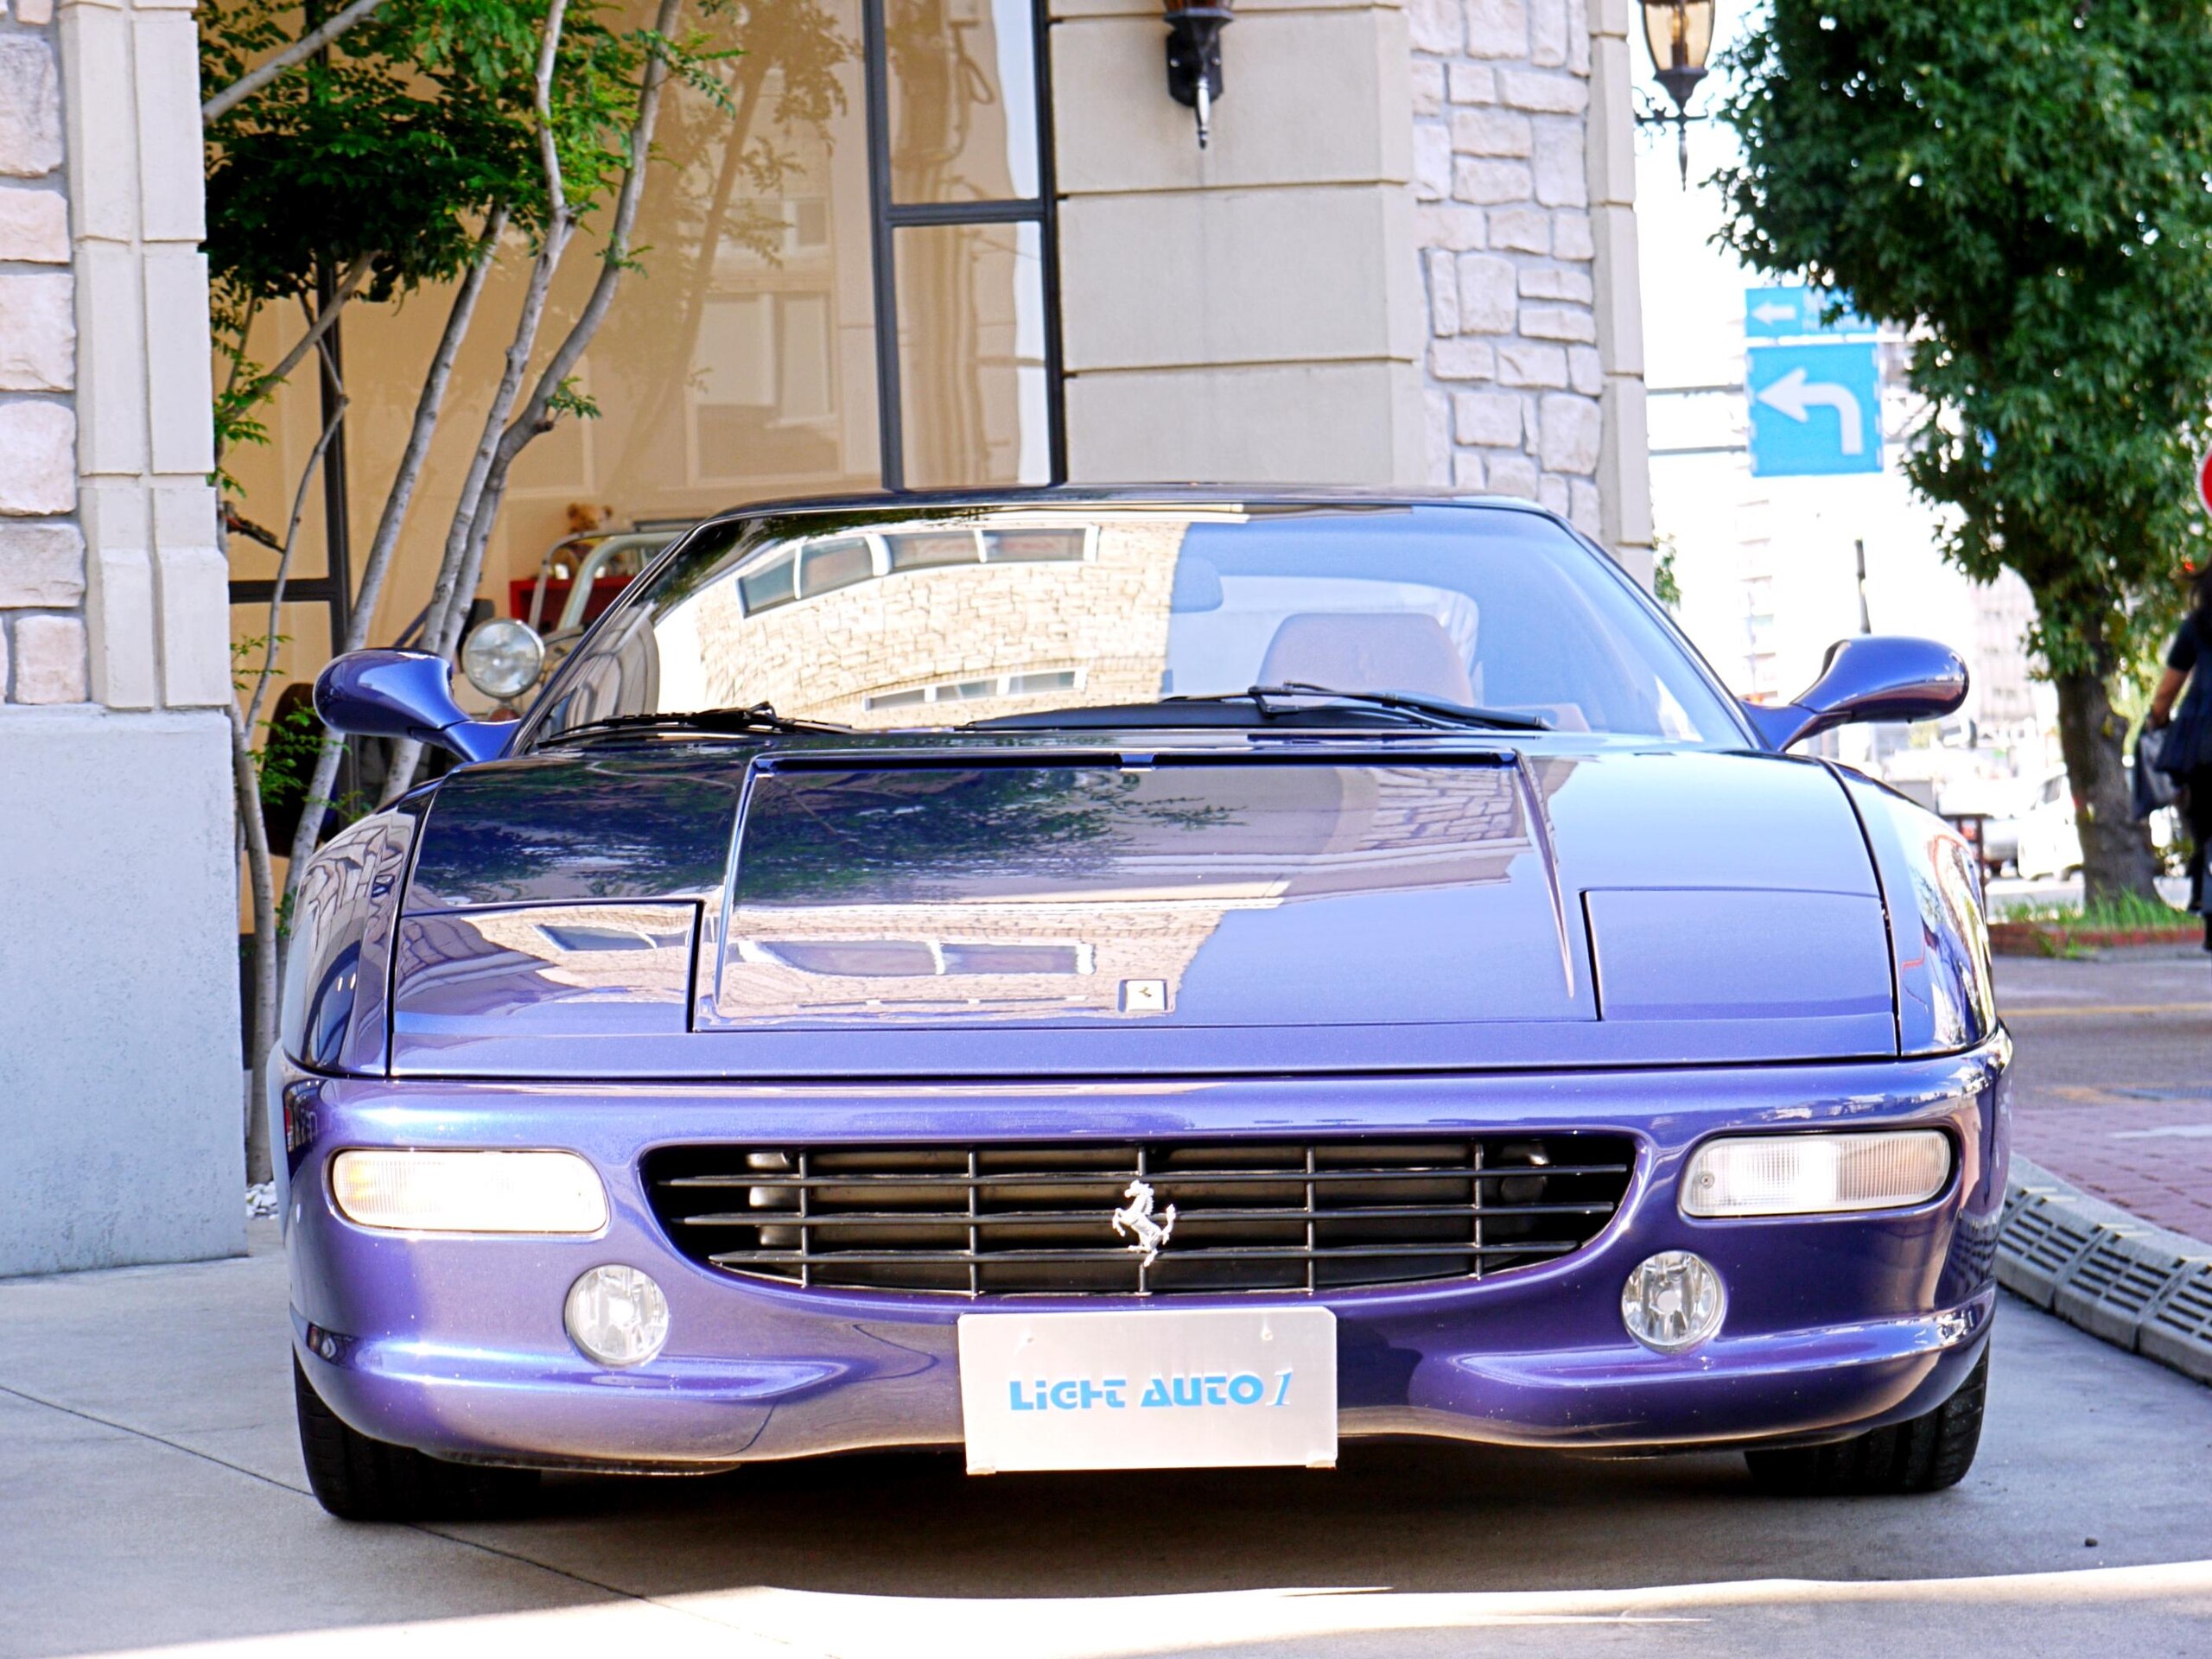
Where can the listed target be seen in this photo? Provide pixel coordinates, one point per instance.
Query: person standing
(2188, 752)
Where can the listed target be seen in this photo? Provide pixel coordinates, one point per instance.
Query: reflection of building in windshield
(970, 960)
(1102, 920)
(622, 952)
(876, 627)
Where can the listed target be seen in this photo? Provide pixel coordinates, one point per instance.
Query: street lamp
(1679, 34)
(1194, 56)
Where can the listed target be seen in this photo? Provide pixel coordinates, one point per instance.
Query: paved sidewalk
(2113, 1079)
(151, 1497)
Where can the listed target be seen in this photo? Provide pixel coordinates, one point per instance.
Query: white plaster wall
(119, 1121)
(1249, 312)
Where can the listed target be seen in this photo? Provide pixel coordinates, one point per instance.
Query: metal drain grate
(2043, 1241)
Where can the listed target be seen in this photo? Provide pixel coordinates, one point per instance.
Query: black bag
(2153, 784)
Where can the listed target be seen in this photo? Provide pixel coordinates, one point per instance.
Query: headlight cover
(1815, 1173)
(503, 658)
(433, 1192)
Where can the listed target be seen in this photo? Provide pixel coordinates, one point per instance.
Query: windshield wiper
(761, 717)
(1434, 710)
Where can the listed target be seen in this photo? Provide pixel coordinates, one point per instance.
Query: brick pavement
(2114, 1077)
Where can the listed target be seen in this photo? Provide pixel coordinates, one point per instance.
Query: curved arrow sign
(1794, 391)
(1797, 396)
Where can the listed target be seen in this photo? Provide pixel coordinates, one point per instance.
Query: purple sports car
(1135, 978)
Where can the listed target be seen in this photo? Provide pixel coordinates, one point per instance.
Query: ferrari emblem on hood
(1135, 1217)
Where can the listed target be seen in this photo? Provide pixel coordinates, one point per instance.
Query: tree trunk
(397, 501)
(485, 485)
(261, 1038)
(2116, 855)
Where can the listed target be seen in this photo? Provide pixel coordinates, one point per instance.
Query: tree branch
(533, 421)
(291, 541)
(349, 285)
(245, 779)
(449, 599)
(297, 53)
(428, 407)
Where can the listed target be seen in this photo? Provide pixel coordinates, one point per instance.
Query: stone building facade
(1434, 285)
(1407, 258)
(119, 1057)
(1524, 177)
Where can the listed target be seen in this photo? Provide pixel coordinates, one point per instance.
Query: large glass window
(844, 283)
(972, 385)
(968, 379)
(962, 99)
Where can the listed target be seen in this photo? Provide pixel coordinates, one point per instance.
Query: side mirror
(1880, 677)
(403, 694)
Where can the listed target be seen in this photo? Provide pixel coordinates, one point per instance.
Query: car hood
(825, 907)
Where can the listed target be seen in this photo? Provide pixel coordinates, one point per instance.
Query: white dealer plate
(1159, 1389)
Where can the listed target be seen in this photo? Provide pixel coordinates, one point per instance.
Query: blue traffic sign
(1816, 408)
(1794, 313)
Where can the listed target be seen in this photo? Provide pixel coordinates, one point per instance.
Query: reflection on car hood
(804, 906)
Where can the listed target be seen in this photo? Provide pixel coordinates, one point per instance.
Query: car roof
(1144, 495)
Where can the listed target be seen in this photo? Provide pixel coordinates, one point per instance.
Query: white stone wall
(119, 1110)
(105, 382)
(1525, 223)
(1247, 313)
(41, 552)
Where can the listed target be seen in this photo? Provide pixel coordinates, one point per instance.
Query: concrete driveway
(151, 1497)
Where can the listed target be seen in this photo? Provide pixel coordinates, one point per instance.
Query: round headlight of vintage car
(1816, 1175)
(617, 1315)
(503, 658)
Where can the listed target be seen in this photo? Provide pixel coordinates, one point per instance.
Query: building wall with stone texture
(1408, 255)
(120, 1062)
(1524, 217)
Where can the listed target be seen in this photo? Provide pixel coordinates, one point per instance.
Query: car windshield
(1126, 614)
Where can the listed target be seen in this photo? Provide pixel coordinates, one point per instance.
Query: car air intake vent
(1038, 1219)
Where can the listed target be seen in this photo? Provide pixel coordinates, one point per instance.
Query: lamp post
(1679, 34)
(1194, 57)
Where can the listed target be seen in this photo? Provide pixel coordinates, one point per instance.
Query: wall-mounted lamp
(1194, 57)
(1679, 34)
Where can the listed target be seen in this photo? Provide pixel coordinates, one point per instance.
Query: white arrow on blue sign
(1792, 313)
(1815, 410)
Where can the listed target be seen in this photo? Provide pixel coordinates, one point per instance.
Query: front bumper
(455, 1346)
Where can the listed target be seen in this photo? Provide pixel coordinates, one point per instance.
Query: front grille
(1038, 1219)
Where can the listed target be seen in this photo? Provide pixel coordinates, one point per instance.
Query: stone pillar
(119, 1101)
(1525, 229)
(1624, 457)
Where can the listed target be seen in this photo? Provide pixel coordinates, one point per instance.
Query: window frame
(889, 216)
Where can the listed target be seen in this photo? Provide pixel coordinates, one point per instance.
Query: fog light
(413, 1191)
(616, 1315)
(1672, 1301)
(1816, 1175)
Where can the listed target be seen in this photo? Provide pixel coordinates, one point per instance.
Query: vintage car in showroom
(1131, 978)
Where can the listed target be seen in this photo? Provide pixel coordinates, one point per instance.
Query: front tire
(359, 1478)
(1922, 1454)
